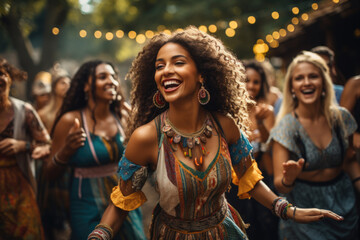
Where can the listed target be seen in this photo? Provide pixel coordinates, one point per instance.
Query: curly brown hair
(224, 77)
(14, 73)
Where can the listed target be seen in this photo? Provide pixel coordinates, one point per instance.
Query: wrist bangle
(57, 162)
(294, 213)
(287, 185)
(355, 180)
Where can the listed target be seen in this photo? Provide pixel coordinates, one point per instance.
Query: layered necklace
(188, 142)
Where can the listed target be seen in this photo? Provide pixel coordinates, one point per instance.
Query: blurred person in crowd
(310, 149)
(274, 93)
(59, 86)
(351, 101)
(88, 137)
(189, 103)
(53, 195)
(262, 119)
(337, 78)
(41, 89)
(23, 139)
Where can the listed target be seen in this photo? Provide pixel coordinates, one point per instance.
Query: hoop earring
(203, 95)
(158, 100)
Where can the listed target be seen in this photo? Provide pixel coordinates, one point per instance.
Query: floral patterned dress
(19, 213)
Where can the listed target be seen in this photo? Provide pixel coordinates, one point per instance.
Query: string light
(203, 28)
(290, 28)
(132, 34)
(230, 32)
(276, 35)
(97, 34)
(295, 20)
(259, 57)
(282, 32)
(274, 44)
(167, 31)
(295, 10)
(149, 34)
(305, 16)
(212, 28)
(233, 24)
(251, 19)
(336, 1)
(109, 36)
(55, 30)
(82, 33)
(260, 48)
(140, 38)
(269, 38)
(119, 33)
(275, 15)
(314, 6)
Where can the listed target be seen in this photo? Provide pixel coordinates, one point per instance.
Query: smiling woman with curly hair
(188, 128)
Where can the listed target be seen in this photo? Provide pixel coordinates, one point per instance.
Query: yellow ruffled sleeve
(248, 181)
(127, 203)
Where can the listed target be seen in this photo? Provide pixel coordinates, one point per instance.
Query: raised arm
(68, 137)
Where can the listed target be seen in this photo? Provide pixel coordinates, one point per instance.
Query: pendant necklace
(189, 141)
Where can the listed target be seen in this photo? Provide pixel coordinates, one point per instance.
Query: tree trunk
(56, 14)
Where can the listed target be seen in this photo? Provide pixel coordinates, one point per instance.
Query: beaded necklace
(188, 142)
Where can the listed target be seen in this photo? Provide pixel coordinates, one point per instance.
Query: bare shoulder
(142, 146)
(69, 117)
(353, 83)
(228, 125)
(66, 121)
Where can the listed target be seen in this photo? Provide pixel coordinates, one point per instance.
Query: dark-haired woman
(88, 137)
(23, 138)
(189, 103)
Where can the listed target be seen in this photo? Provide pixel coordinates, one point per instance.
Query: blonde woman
(310, 141)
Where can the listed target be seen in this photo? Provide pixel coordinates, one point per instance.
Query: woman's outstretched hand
(292, 169)
(306, 215)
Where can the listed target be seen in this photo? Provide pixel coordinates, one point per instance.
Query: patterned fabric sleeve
(244, 178)
(284, 133)
(35, 126)
(348, 121)
(137, 174)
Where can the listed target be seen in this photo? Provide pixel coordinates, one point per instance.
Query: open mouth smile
(171, 85)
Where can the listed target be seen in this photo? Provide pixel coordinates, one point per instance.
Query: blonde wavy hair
(328, 102)
(224, 77)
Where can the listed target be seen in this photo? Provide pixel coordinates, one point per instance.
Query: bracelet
(355, 180)
(57, 162)
(287, 185)
(294, 213)
(107, 228)
(101, 232)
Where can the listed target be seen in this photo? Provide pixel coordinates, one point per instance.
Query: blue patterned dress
(336, 195)
(89, 196)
